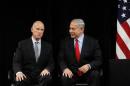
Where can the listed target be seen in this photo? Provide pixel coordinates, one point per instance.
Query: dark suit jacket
(24, 59)
(90, 54)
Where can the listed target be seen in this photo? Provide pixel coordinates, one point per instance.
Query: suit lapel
(42, 49)
(71, 46)
(72, 51)
(31, 48)
(84, 45)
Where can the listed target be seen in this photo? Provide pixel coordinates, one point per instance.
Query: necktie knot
(36, 42)
(76, 40)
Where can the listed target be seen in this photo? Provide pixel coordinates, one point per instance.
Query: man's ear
(31, 29)
(82, 29)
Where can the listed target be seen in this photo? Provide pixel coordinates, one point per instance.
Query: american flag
(123, 30)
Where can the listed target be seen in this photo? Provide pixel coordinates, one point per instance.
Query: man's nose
(70, 30)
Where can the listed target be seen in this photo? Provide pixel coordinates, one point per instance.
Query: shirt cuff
(19, 73)
(89, 66)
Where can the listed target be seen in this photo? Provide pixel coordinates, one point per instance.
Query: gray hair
(37, 22)
(79, 22)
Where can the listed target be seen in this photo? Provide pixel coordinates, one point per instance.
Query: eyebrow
(40, 28)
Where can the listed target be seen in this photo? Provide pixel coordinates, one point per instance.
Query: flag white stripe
(123, 35)
(119, 52)
(128, 21)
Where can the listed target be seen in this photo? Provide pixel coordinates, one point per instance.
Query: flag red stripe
(126, 27)
(123, 46)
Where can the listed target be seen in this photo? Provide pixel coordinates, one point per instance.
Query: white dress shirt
(39, 44)
(80, 41)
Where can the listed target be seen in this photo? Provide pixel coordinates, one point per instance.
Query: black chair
(11, 78)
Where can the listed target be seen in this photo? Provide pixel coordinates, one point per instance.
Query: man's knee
(95, 78)
(95, 74)
(45, 80)
(66, 81)
(63, 78)
(22, 83)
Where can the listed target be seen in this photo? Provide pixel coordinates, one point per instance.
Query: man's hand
(20, 76)
(45, 72)
(67, 73)
(84, 68)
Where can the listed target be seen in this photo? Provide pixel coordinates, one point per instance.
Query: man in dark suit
(33, 61)
(79, 57)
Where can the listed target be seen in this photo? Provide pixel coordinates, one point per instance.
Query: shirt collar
(34, 40)
(80, 38)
